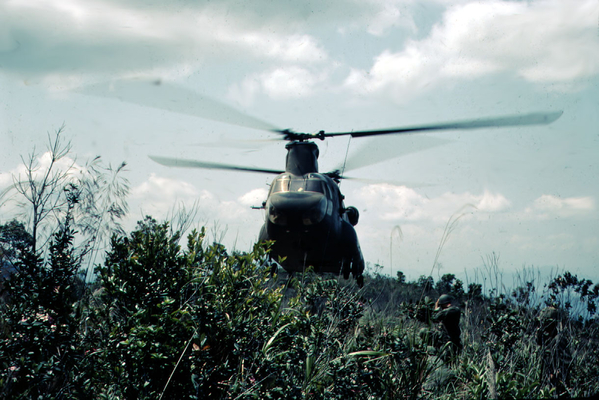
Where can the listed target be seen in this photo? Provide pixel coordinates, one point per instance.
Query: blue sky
(529, 194)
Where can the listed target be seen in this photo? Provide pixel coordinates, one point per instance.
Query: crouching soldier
(448, 316)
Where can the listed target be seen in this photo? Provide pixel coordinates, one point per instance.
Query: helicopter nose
(295, 209)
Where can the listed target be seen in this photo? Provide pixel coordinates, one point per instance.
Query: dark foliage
(172, 321)
(42, 347)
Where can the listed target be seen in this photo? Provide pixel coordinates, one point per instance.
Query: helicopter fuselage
(307, 220)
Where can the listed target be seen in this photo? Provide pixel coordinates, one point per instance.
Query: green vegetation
(175, 320)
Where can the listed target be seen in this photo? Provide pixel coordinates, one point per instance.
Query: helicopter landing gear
(348, 267)
(272, 265)
(345, 268)
(360, 280)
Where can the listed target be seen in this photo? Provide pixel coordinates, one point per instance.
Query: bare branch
(41, 187)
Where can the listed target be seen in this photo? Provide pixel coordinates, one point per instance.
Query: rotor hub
(302, 137)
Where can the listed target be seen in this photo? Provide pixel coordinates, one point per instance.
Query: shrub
(42, 348)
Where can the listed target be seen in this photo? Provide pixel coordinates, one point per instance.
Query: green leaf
(368, 353)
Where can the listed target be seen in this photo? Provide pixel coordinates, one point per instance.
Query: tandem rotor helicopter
(305, 213)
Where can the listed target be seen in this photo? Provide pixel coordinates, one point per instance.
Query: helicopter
(305, 214)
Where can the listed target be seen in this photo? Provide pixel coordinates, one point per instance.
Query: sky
(529, 195)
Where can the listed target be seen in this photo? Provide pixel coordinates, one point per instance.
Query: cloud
(375, 16)
(64, 170)
(230, 222)
(253, 197)
(387, 16)
(158, 196)
(543, 42)
(292, 48)
(279, 83)
(100, 36)
(402, 204)
(561, 242)
(553, 207)
(39, 167)
(288, 82)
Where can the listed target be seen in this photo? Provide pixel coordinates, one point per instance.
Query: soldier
(448, 316)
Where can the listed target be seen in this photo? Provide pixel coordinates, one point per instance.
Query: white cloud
(293, 48)
(407, 70)
(163, 188)
(40, 166)
(492, 202)
(279, 83)
(158, 196)
(65, 170)
(402, 204)
(553, 207)
(542, 41)
(388, 15)
(288, 82)
(560, 242)
(253, 197)
(549, 202)
(100, 36)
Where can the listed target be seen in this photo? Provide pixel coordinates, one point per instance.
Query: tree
(425, 283)
(100, 192)
(42, 347)
(448, 284)
(14, 241)
(179, 321)
(401, 277)
(41, 187)
(444, 285)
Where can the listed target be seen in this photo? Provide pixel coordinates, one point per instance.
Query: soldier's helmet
(549, 313)
(445, 299)
(549, 318)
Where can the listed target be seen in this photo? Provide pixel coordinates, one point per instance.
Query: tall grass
(502, 357)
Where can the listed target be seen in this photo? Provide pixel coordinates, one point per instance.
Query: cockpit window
(314, 185)
(287, 184)
(280, 185)
(296, 185)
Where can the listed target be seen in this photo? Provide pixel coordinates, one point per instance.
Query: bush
(42, 346)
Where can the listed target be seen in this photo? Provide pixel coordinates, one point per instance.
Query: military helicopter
(305, 214)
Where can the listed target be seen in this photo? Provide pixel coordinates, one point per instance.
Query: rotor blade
(512, 120)
(238, 144)
(171, 97)
(382, 149)
(387, 181)
(337, 177)
(178, 162)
